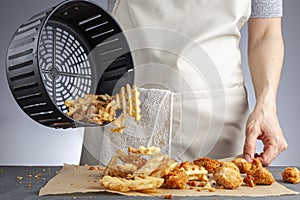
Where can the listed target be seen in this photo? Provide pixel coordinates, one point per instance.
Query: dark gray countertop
(12, 188)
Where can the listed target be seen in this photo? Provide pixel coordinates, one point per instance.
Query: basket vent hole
(89, 19)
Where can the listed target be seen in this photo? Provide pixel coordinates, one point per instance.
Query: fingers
(267, 156)
(263, 125)
(272, 149)
(252, 133)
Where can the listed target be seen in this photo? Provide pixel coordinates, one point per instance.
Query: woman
(191, 48)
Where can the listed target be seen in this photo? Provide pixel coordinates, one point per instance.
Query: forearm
(265, 54)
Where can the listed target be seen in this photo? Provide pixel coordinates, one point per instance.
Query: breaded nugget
(291, 175)
(255, 164)
(249, 180)
(209, 164)
(262, 176)
(228, 177)
(242, 164)
(176, 179)
(229, 165)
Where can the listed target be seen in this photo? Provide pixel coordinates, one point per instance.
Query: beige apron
(191, 48)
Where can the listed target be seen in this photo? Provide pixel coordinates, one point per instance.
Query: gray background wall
(24, 142)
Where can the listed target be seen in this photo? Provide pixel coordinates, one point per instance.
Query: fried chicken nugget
(242, 164)
(291, 175)
(209, 164)
(249, 180)
(176, 179)
(262, 176)
(229, 165)
(228, 177)
(255, 164)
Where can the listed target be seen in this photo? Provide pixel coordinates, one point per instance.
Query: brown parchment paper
(79, 179)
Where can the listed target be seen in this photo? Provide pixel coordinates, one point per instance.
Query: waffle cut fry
(128, 101)
(101, 109)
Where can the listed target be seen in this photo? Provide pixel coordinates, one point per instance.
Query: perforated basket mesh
(63, 53)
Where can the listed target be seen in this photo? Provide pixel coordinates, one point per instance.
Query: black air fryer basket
(63, 53)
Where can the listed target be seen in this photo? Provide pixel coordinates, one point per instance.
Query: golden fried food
(229, 165)
(176, 179)
(249, 180)
(139, 183)
(128, 101)
(122, 170)
(291, 175)
(262, 176)
(209, 164)
(96, 109)
(100, 109)
(242, 164)
(151, 165)
(228, 177)
(145, 150)
(135, 172)
(194, 171)
(126, 169)
(192, 183)
(119, 124)
(255, 164)
(207, 186)
(111, 168)
(164, 168)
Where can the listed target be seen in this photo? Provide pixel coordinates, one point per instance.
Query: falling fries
(101, 109)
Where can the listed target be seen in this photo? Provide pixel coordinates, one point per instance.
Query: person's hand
(263, 125)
